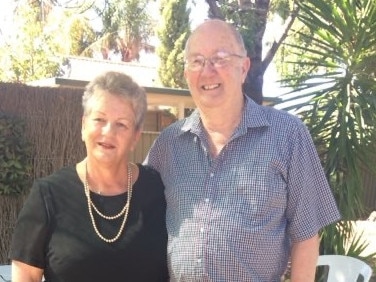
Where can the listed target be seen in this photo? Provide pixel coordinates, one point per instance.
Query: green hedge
(15, 158)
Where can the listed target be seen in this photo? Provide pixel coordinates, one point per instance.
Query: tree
(30, 48)
(173, 32)
(127, 27)
(79, 35)
(251, 18)
(336, 97)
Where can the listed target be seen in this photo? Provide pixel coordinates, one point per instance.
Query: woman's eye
(122, 125)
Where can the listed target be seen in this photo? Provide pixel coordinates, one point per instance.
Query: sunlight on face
(108, 129)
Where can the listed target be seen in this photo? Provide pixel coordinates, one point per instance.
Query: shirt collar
(253, 116)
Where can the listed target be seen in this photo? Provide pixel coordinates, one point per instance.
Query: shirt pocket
(256, 191)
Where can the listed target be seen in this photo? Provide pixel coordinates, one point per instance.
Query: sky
(6, 12)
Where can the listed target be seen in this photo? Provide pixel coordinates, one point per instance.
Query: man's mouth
(210, 87)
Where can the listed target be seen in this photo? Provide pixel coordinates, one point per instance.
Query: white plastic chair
(345, 268)
(5, 273)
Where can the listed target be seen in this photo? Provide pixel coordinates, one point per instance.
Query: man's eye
(219, 61)
(98, 119)
(197, 61)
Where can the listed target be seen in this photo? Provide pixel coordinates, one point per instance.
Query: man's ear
(246, 66)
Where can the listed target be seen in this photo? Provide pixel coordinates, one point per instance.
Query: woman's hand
(22, 272)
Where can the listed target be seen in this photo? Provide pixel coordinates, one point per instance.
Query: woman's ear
(83, 128)
(136, 139)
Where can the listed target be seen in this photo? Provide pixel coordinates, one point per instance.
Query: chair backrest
(345, 268)
(5, 273)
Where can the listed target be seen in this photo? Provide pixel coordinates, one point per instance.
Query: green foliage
(73, 33)
(173, 33)
(30, 49)
(82, 36)
(127, 27)
(281, 8)
(246, 21)
(251, 22)
(15, 164)
(336, 97)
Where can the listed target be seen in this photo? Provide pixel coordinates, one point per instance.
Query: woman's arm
(22, 272)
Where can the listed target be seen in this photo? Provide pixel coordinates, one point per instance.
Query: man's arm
(304, 256)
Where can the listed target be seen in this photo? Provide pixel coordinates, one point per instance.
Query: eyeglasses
(218, 60)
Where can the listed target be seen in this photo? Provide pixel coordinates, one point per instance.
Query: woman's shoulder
(149, 175)
(64, 177)
(148, 171)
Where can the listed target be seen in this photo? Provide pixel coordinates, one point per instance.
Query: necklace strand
(124, 210)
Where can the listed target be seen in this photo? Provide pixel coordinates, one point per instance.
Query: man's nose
(208, 64)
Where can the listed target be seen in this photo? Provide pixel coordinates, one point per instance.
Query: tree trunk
(254, 82)
(255, 78)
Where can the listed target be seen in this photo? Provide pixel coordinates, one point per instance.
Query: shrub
(15, 164)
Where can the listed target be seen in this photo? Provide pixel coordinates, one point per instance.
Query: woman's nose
(107, 128)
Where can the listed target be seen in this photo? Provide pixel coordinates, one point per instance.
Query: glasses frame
(217, 60)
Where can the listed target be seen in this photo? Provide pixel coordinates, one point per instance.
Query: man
(244, 186)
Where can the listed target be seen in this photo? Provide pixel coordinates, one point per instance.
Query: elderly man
(245, 189)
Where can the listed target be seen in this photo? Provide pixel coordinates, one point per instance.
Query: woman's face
(108, 129)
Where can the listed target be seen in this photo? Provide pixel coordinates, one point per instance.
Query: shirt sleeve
(152, 159)
(311, 204)
(31, 232)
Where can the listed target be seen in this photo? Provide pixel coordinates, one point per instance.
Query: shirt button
(199, 260)
(206, 200)
(211, 174)
(202, 230)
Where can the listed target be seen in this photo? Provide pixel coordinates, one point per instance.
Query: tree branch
(276, 44)
(214, 10)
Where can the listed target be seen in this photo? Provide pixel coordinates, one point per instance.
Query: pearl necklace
(124, 210)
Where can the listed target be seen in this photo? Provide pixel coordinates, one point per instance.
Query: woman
(104, 219)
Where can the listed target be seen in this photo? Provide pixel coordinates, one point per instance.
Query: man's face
(223, 66)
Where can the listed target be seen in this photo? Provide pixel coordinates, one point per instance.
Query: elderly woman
(103, 219)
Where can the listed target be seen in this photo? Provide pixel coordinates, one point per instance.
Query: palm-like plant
(127, 27)
(335, 94)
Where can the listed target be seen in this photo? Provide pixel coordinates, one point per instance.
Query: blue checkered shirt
(234, 217)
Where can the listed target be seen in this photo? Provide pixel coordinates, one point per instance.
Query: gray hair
(236, 34)
(121, 85)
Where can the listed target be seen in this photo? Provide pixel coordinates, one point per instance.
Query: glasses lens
(195, 63)
(219, 62)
